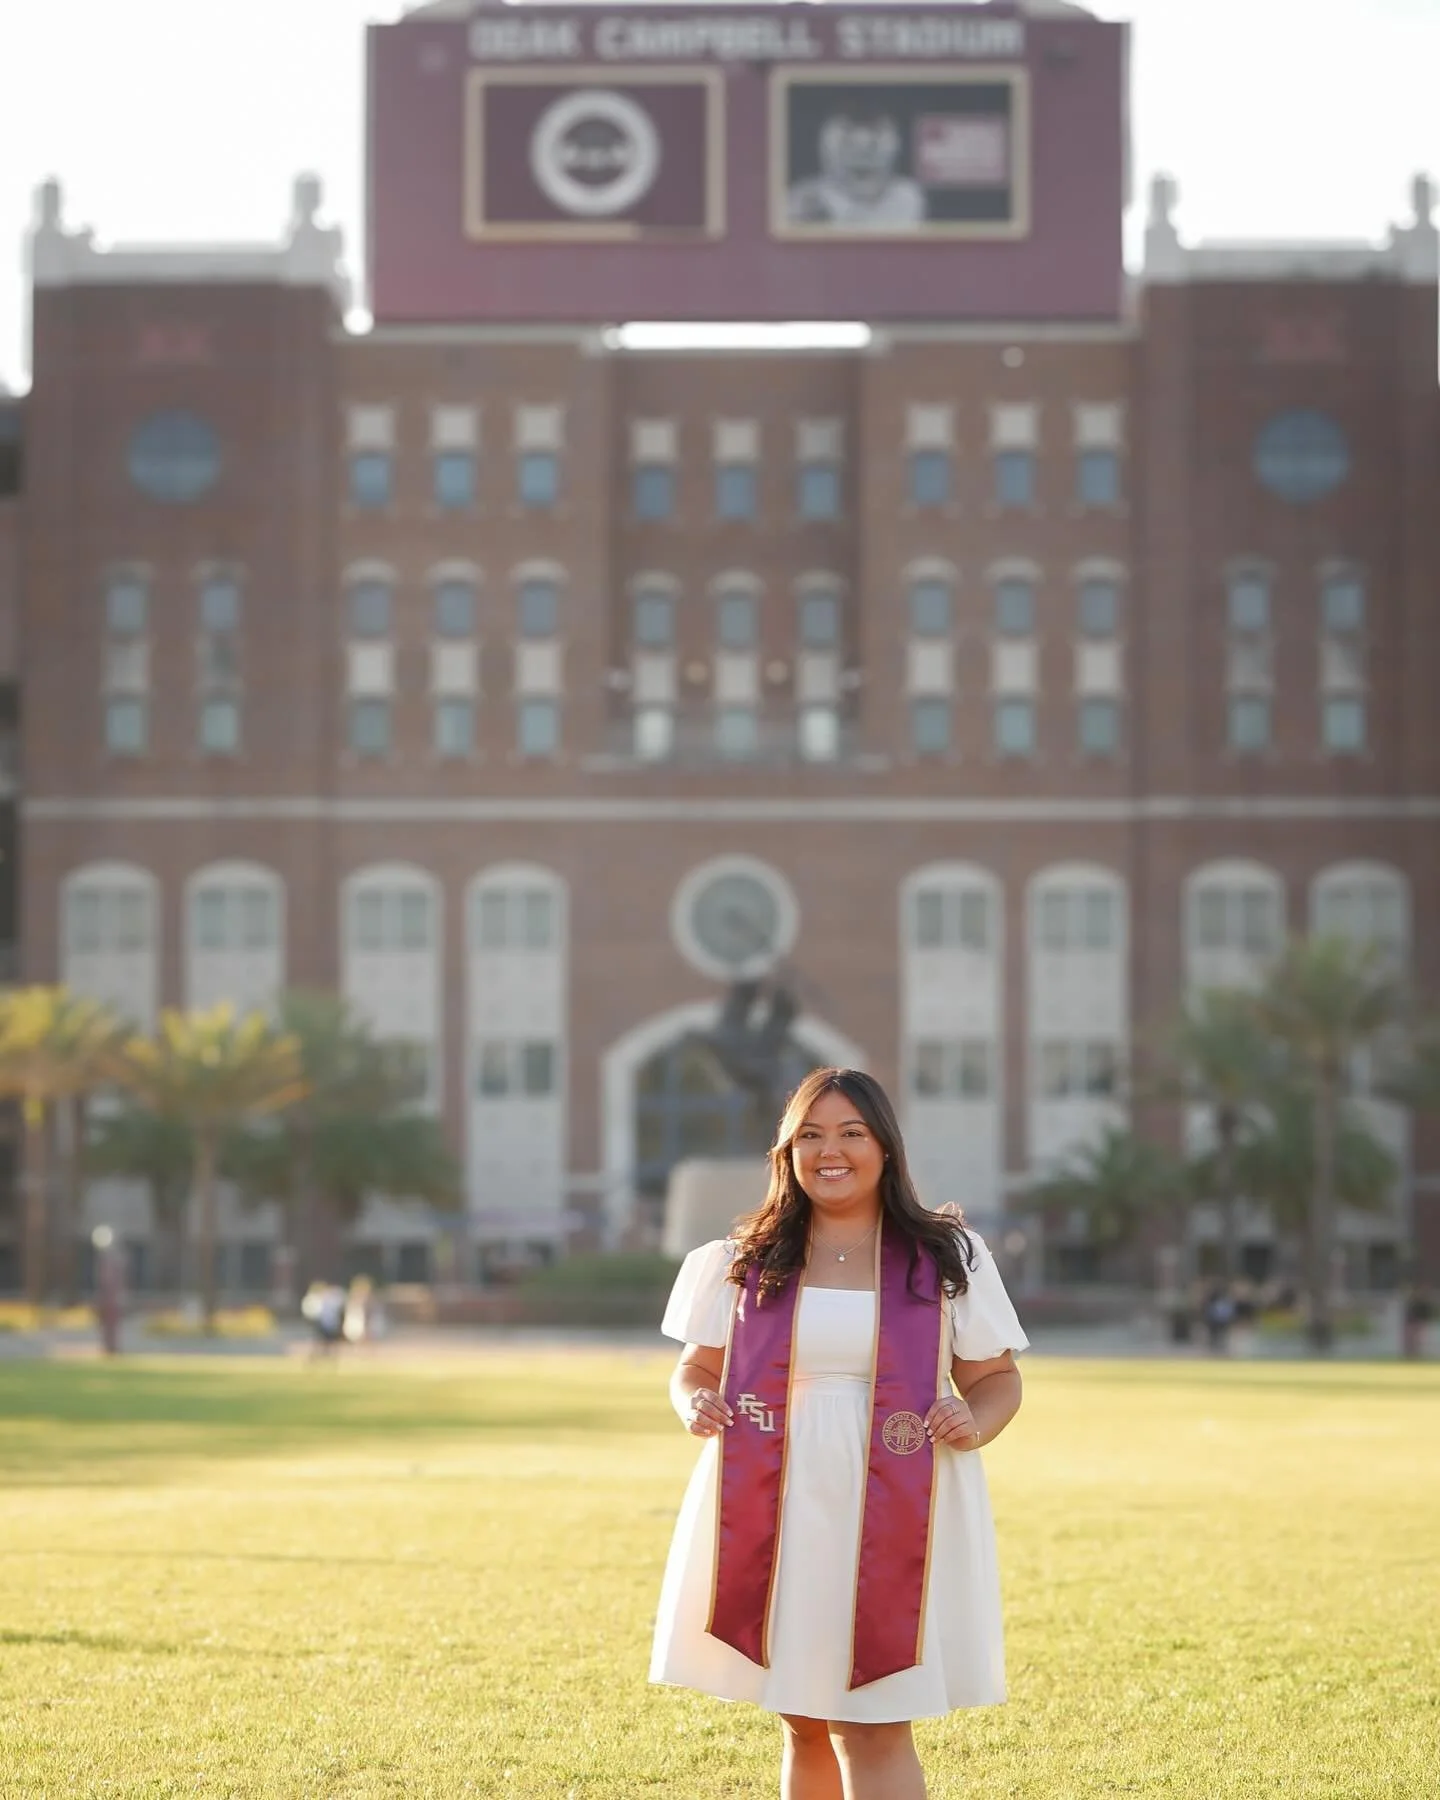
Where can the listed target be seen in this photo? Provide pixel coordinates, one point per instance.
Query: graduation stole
(909, 1363)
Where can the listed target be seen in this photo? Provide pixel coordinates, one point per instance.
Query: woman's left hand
(950, 1421)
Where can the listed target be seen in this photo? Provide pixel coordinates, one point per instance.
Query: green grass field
(257, 1578)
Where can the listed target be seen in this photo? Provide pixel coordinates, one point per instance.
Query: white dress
(964, 1657)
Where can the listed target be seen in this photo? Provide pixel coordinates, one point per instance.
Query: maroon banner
(894, 1551)
(900, 1487)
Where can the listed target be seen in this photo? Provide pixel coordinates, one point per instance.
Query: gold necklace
(840, 1255)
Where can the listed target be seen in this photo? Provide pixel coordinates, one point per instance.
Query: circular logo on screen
(595, 153)
(903, 1433)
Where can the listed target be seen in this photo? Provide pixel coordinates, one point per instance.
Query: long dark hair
(775, 1237)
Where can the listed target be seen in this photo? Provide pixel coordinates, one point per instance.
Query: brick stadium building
(1052, 651)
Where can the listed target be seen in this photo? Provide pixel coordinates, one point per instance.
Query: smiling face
(837, 1159)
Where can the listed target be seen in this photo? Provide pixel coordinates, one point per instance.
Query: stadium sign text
(744, 37)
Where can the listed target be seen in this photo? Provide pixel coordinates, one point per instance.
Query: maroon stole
(910, 1364)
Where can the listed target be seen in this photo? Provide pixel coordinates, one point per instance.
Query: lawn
(243, 1577)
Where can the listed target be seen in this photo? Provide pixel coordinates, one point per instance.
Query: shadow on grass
(95, 1424)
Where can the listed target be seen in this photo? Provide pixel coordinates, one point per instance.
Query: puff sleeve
(985, 1321)
(698, 1311)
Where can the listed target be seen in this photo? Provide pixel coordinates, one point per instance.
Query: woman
(834, 1559)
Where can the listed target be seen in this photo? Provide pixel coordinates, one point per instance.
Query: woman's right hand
(707, 1413)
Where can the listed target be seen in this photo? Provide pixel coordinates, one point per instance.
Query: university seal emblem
(595, 153)
(903, 1433)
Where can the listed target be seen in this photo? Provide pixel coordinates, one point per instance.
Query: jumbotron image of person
(858, 185)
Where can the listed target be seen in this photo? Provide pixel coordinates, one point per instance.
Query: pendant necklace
(840, 1255)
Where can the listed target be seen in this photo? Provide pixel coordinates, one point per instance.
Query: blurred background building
(1045, 642)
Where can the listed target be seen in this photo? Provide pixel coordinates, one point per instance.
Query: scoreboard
(543, 163)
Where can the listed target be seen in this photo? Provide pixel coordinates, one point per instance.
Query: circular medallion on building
(1302, 456)
(734, 918)
(174, 456)
(595, 153)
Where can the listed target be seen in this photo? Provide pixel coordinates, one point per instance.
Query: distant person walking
(324, 1310)
(1417, 1313)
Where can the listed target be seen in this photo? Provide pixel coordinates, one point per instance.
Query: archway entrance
(685, 1106)
(662, 1100)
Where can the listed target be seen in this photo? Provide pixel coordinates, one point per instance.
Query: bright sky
(177, 121)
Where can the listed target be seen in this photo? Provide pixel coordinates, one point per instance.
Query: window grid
(931, 607)
(1015, 478)
(654, 618)
(951, 1069)
(1236, 918)
(1078, 919)
(818, 490)
(819, 621)
(508, 1068)
(537, 477)
(1097, 478)
(930, 726)
(371, 479)
(104, 918)
(453, 480)
(951, 919)
(391, 918)
(930, 478)
(736, 490)
(236, 918)
(514, 918)
(652, 491)
(538, 727)
(454, 727)
(1077, 1068)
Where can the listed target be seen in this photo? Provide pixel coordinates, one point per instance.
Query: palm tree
(1326, 1000)
(1275, 1160)
(1223, 1059)
(1119, 1182)
(356, 1131)
(141, 1146)
(54, 1047)
(212, 1072)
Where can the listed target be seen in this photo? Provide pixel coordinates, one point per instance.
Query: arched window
(109, 939)
(1078, 1006)
(234, 948)
(1234, 923)
(952, 1028)
(517, 1027)
(391, 961)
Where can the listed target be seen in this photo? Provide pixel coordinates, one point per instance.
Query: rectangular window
(1015, 477)
(537, 1069)
(537, 919)
(737, 621)
(1097, 913)
(370, 609)
(1342, 604)
(538, 728)
(954, 1069)
(930, 478)
(1344, 724)
(257, 919)
(818, 490)
(220, 726)
(654, 733)
(1249, 603)
(737, 733)
(127, 606)
(654, 619)
(454, 610)
(1259, 923)
(491, 914)
(1099, 609)
(370, 479)
(414, 915)
(1099, 727)
(1249, 723)
(454, 727)
(209, 916)
(220, 605)
(1097, 478)
(652, 490)
(736, 490)
(819, 734)
(538, 479)
(952, 919)
(126, 725)
(494, 1070)
(1015, 607)
(930, 727)
(370, 727)
(1015, 727)
(453, 474)
(819, 621)
(539, 602)
(930, 608)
